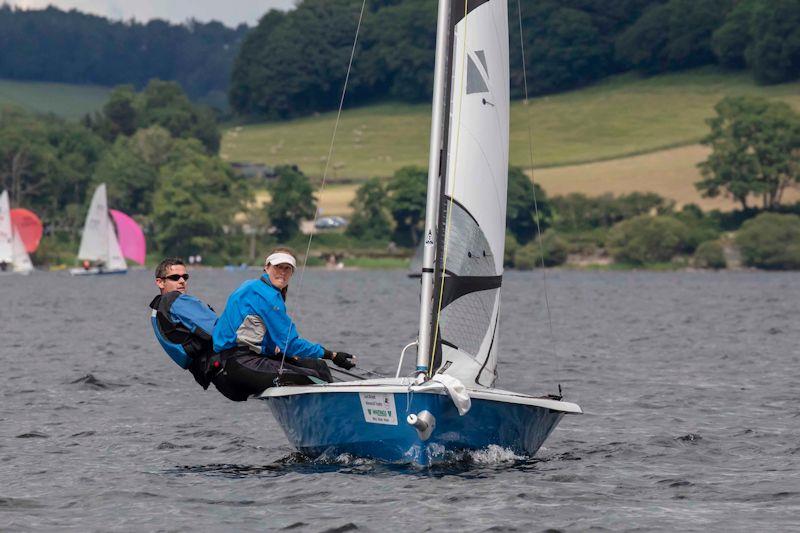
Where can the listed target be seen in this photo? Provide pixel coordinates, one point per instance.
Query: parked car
(331, 222)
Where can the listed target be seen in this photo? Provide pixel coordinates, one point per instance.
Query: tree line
(158, 155)
(294, 63)
(74, 47)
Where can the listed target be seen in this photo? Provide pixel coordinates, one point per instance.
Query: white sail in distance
(474, 191)
(22, 261)
(95, 238)
(6, 231)
(116, 261)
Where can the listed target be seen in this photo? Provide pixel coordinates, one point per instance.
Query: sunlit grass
(65, 100)
(619, 117)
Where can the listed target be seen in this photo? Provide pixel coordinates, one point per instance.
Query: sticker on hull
(378, 408)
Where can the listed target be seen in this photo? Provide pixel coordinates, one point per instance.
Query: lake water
(690, 383)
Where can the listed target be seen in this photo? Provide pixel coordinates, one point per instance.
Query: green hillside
(622, 116)
(68, 101)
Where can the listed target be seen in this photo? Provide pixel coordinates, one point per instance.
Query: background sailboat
(100, 251)
(13, 255)
(450, 404)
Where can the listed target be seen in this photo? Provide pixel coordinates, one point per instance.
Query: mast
(435, 175)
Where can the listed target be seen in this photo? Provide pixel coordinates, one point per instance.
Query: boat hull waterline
(330, 420)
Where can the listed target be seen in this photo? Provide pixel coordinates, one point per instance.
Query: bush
(530, 256)
(646, 239)
(710, 254)
(511, 248)
(771, 241)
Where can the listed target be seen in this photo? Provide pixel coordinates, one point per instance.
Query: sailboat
(13, 255)
(100, 251)
(450, 404)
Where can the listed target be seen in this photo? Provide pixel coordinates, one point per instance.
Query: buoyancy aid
(183, 326)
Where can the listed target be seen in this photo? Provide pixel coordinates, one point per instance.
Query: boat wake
(447, 462)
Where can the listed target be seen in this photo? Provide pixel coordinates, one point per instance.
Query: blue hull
(334, 423)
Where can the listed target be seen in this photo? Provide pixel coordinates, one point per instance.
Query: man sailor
(183, 324)
(258, 342)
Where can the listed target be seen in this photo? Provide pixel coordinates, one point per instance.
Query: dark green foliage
(552, 251)
(511, 247)
(292, 200)
(730, 41)
(755, 151)
(197, 197)
(763, 35)
(564, 48)
(73, 47)
(710, 254)
(578, 212)
(371, 219)
(700, 228)
(407, 191)
(771, 241)
(520, 209)
(673, 35)
(46, 163)
(646, 239)
(398, 47)
(296, 62)
(161, 103)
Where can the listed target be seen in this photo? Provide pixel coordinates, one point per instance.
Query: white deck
(405, 385)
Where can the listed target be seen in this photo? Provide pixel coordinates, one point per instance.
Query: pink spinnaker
(130, 236)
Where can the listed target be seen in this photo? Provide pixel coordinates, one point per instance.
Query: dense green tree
(552, 251)
(774, 54)
(46, 163)
(195, 203)
(771, 241)
(163, 103)
(755, 147)
(407, 193)
(295, 63)
(371, 218)
(520, 209)
(647, 239)
(673, 35)
(74, 47)
(710, 254)
(578, 212)
(130, 180)
(763, 35)
(731, 40)
(292, 201)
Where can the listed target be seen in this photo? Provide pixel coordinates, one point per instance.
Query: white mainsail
(94, 241)
(12, 249)
(6, 233)
(99, 239)
(115, 259)
(471, 233)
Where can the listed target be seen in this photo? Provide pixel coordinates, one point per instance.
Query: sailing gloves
(342, 359)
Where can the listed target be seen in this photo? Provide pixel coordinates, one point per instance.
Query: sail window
(475, 81)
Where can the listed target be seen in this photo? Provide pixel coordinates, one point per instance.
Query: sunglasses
(176, 277)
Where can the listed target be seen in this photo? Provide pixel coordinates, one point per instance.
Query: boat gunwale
(395, 387)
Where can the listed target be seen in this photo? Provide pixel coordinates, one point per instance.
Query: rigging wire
(535, 203)
(447, 225)
(327, 164)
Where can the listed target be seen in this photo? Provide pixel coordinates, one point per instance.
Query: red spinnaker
(28, 226)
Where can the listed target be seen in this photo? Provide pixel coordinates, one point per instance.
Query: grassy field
(68, 101)
(620, 117)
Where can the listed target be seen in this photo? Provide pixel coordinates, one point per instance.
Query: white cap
(280, 258)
